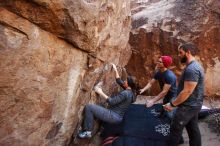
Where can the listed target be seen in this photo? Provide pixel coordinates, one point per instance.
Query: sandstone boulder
(51, 55)
(158, 27)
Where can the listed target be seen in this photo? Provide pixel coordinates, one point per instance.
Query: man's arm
(189, 87)
(152, 81)
(166, 88)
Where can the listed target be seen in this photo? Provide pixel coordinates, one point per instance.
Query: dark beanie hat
(167, 61)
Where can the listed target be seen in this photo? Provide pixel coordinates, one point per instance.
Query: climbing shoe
(85, 134)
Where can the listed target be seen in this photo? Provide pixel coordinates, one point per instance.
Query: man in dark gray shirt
(189, 99)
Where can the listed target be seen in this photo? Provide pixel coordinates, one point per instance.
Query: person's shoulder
(127, 93)
(170, 73)
(194, 66)
(194, 69)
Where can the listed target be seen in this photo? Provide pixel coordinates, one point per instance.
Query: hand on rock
(98, 89)
(114, 66)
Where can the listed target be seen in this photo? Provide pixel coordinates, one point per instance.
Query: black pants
(186, 116)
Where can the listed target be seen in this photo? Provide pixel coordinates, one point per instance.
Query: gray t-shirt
(193, 72)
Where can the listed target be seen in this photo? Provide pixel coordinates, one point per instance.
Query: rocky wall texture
(158, 27)
(90, 25)
(51, 55)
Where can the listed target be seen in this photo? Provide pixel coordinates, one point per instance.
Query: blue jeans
(101, 113)
(185, 116)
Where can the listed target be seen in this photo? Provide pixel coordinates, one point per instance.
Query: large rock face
(87, 24)
(160, 26)
(51, 55)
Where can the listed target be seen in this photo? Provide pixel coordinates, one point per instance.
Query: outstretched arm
(111, 101)
(166, 88)
(118, 79)
(152, 81)
(99, 91)
(116, 71)
(189, 87)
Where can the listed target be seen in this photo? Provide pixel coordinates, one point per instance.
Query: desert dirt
(209, 137)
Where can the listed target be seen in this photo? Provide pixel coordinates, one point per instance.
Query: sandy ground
(209, 138)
